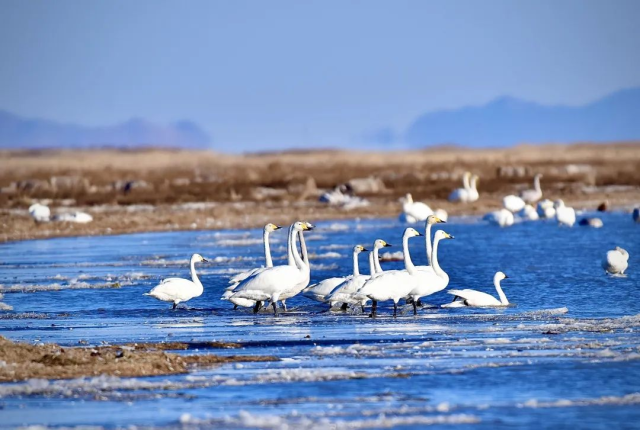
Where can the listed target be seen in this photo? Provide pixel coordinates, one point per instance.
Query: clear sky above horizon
(272, 75)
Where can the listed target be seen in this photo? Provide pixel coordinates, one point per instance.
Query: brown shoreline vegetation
(22, 361)
(169, 190)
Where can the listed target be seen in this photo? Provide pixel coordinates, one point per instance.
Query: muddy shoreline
(22, 361)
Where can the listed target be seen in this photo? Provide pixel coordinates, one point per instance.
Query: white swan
(565, 214)
(306, 268)
(532, 196)
(77, 217)
(529, 213)
(478, 298)
(545, 209)
(324, 288)
(393, 284)
(345, 292)
(503, 218)
(431, 281)
(270, 283)
(235, 280)
(413, 212)
(39, 213)
(177, 290)
(616, 261)
(462, 195)
(513, 203)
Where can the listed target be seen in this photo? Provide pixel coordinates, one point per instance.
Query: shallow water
(566, 354)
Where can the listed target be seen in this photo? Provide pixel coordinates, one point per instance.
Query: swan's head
(622, 251)
(197, 258)
(499, 276)
(358, 249)
(302, 226)
(270, 228)
(538, 176)
(467, 174)
(408, 198)
(432, 219)
(379, 243)
(441, 234)
(411, 232)
(559, 203)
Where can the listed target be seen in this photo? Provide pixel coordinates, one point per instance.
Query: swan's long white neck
(356, 269)
(427, 240)
(474, 180)
(536, 184)
(434, 260)
(465, 182)
(294, 257)
(303, 247)
(267, 250)
(376, 261)
(194, 276)
(503, 297)
(372, 266)
(408, 264)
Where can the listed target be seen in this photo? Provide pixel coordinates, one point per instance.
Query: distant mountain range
(507, 121)
(19, 132)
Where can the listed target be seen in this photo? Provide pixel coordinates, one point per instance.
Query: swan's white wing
(320, 290)
(615, 262)
(419, 211)
(172, 289)
(513, 203)
(244, 275)
(392, 284)
(268, 282)
(476, 298)
(345, 291)
(459, 195)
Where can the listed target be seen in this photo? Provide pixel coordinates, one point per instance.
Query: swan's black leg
(235, 307)
(344, 306)
(395, 309)
(415, 308)
(257, 307)
(419, 302)
(284, 305)
(275, 308)
(374, 308)
(175, 305)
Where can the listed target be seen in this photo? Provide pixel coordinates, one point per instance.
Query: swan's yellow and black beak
(308, 226)
(387, 244)
(420, 234)
(448, 236)
(505, 277)
(364, 249)
(441, 221)
(205, 260)
(277, 227)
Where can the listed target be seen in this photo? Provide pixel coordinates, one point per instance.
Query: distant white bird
(178, 290)
(413, 212)
(324, 288)
(545, 209)
(40, 213)
(532, 196)
(503, 218)
(234, 281)
(77, 217)
(564, 214)
(462, 195)
(529, 213)
(474, 190)
(478, 298)
(636, 214)
(442, 214)
(513, 203)
(616, 261)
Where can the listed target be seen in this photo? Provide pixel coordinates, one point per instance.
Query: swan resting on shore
(473, 298)
(616, 261)
(40, 213)
(413, 212)
(178, 290)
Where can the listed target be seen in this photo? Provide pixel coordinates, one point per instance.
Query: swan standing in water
(478, 298)
(235, 280)
(564, 214)
(513, 203)
(545, 209)
(344, 293)
(393, 284)
(431, 278)
(177, 290)
(413, 212)
(616, 261)
(462, 195)
(532, 196)
(306, 268)
(503, 218)
(322, 289)
(40, 213)
(272, 282)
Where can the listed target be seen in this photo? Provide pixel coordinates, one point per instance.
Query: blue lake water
(567, 353)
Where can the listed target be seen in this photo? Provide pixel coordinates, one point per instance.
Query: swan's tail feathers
(146, 294)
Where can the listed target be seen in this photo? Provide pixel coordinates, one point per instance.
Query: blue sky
(271, 75)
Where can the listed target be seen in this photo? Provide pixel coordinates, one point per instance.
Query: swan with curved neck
(304, 266)
(462, 194)
(235, 280)
(432, 281)
(478, 298)
(272, 282)
(532, 196)
(392, 284)
(178, 290)
(324, 289)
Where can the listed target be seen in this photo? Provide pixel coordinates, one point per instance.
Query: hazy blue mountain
(507, 121)
(19, 132)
